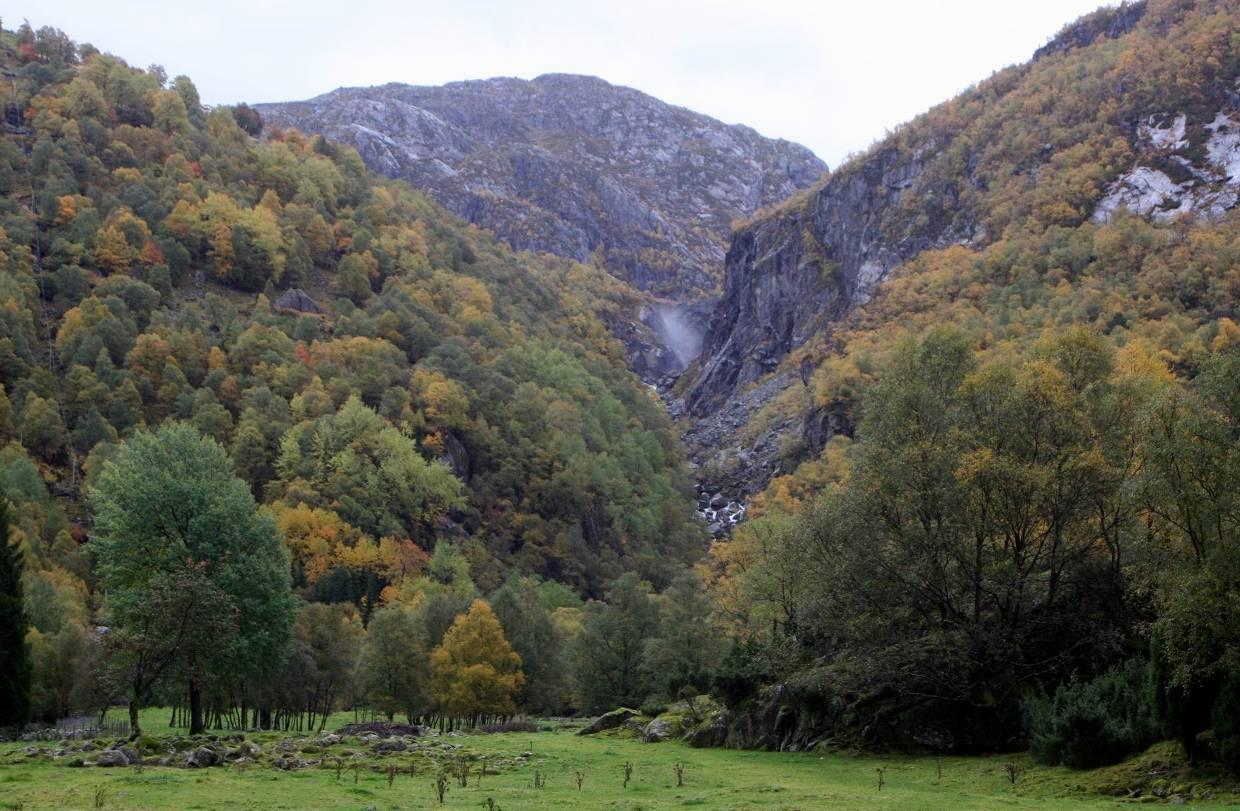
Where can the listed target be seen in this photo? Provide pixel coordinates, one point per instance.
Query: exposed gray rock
(789, 274)
(658, 730)
(570, 165)
(1208, 188)
(111, 758)
(248, 749)
(203, 757)
(1105, 22)
(610, 720)
(297, 300)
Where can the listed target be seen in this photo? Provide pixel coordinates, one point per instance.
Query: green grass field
(713, 779)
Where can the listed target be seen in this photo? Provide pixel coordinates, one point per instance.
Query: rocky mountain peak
(572, 165)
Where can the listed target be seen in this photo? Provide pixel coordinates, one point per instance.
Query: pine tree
(14, 654)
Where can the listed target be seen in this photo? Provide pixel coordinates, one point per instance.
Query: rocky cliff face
(788, 275)
(571, 165)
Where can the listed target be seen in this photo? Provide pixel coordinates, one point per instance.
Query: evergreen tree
(14, 653)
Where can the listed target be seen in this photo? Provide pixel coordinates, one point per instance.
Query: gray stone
(298, 301)
(660, 729)
(203, 757)
(112, 757)
(567, 164)
(609, 720)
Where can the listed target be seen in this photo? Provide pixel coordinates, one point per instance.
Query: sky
(832, 75)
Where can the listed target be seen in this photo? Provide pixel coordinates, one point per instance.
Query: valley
(584, 434)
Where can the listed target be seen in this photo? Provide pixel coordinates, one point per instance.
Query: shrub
(1093, 723)
(654, 706)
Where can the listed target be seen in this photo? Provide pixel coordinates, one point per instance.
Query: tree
(392, 667)
(1192, 453)
(42, 429)
(608, 653)
(247, 118)
(15, 666)
(527, 624)
(475, 672)
(167, 505)
(688, 647)
(332, 635)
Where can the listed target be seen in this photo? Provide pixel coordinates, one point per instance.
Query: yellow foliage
(475, 671)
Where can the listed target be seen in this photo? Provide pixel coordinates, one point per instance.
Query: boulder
(609, 720)
(660, 729)
(248, 749)
(112, 757)
(711, 732)
(203, 757)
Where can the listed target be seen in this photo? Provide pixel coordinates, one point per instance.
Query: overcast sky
(832, 75)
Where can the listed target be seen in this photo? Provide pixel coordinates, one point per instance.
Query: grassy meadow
(713, 778)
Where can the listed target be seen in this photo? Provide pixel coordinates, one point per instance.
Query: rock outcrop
(789, 274)
(571, 165)
(1105, 22)
(1186, 168)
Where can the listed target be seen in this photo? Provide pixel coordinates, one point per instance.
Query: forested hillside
(1024, 365)
(419, 411)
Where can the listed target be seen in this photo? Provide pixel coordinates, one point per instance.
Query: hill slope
(1134, 108)
(385, 376)
(571, 165)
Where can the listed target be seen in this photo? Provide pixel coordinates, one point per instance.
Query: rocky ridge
(571, 165)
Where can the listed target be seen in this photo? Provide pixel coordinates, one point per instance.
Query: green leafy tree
(683, 656)
(392, 670)
(608, 653)
(168, 503)
(528, 626)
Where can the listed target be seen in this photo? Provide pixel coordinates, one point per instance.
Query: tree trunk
(134, 730)
(196, 726)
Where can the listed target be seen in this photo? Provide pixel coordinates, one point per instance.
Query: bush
(741, 673)
(1093, 723)
(654, 706)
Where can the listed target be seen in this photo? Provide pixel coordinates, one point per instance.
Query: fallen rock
(660, 729)
(112, 757)
(297, 300)
(203, 757)
(609, 720)
(248, 749)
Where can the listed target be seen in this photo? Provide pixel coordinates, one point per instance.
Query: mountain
(1132, 110)
(388, 380)
(981, 386)
(571, 165)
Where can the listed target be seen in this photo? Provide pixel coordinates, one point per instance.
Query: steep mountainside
(571, 165)
(1132, 108)
(386, 378)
